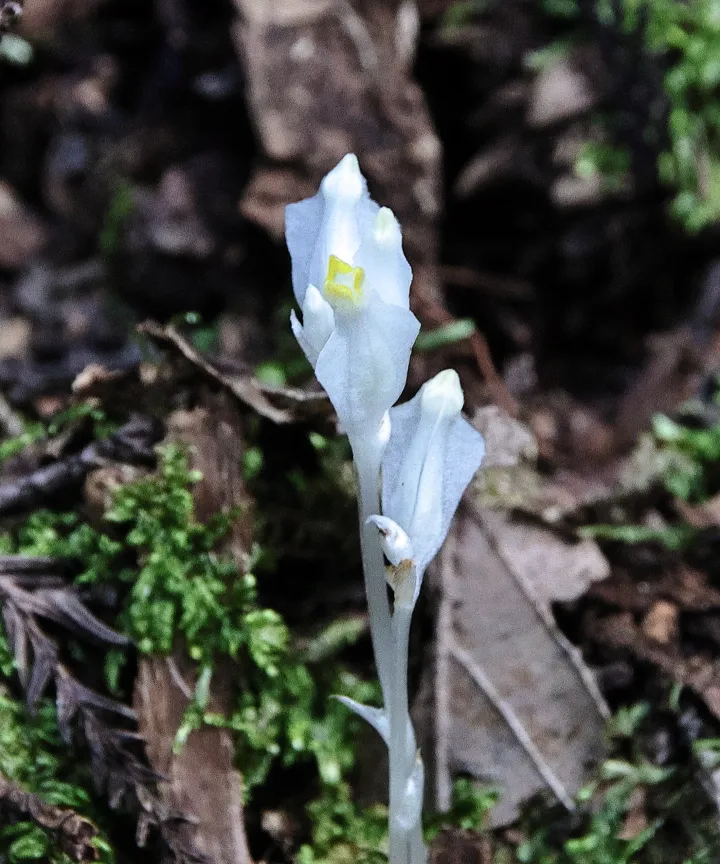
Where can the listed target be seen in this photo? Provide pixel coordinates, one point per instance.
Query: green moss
(676, 820)
(179, 587)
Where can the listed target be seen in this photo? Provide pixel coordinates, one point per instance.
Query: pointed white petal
(381, 256)
(318, 322)
(302, 340)
(431, 457)
(347, 210)
(376, 717)
(364, 365)
(303, 222)
(443, 395)
(345, 180)
(330, 223)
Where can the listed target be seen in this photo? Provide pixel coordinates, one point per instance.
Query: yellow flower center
(343, 282)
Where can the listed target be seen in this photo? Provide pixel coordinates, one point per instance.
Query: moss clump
(178, 587)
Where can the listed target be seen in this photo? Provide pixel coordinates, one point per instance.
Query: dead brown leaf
(508, 700)
(699, 672)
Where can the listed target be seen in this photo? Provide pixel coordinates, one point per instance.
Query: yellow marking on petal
(343, 281)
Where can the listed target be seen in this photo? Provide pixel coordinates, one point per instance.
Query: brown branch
(72, 832)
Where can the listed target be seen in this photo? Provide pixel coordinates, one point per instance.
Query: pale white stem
(367, 452)
(406, 843)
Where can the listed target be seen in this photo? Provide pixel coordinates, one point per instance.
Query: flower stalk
(413, 461)
(367, 455)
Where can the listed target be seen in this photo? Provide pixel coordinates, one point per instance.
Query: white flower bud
(430, 459)
(443, 395)
(342, 243)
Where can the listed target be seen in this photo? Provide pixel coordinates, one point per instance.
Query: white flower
(352, 283)
(432, 455)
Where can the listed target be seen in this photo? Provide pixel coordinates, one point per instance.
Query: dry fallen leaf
(507, 699)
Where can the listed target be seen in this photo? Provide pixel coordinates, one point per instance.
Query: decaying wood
(201, 779)
(72, 832)
(328, 78)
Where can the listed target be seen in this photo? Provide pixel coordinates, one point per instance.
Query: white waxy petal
(330, 223)
(443, 395)
(344, 181)
(381, 256)
(364, 365)
(431, 457)
(357, 328)
(340, 234)
(318, 322)
(303, 221)
(299, 334)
